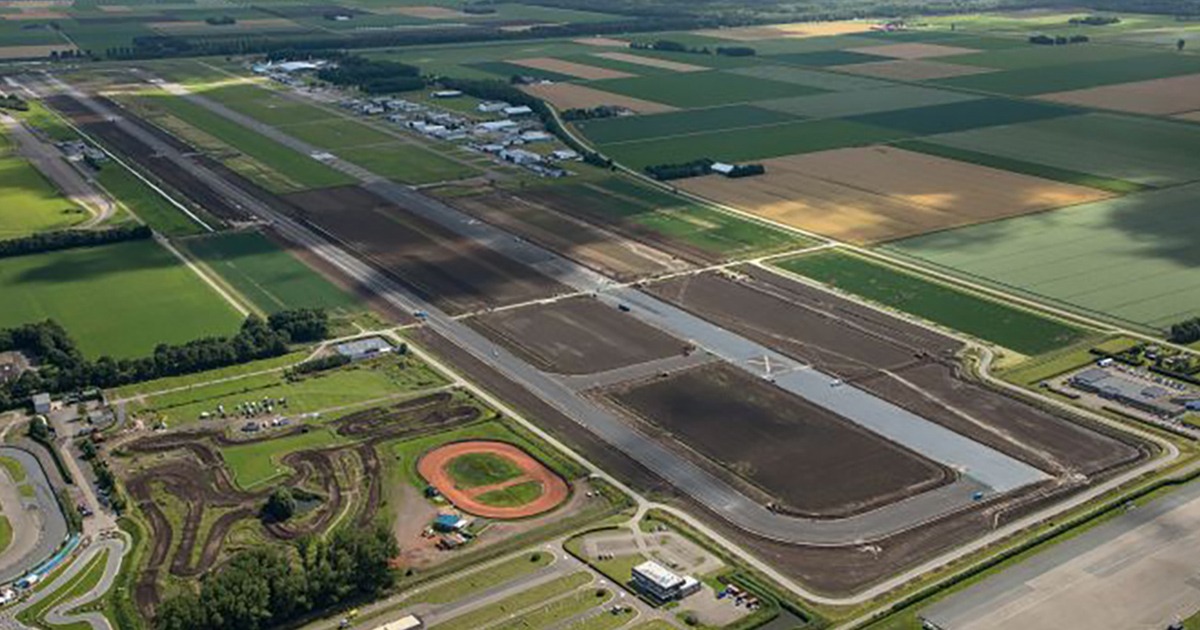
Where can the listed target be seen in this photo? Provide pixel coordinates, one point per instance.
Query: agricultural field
(874, 194)
(996, 322)
(263, 272)
(1128, 259)
(29, 202)
(120, 300)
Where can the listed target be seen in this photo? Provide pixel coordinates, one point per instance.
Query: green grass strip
(494, 575)
(490, 614)
(15, 470)
(1109, 184)
(1018, 329)
(558, 610)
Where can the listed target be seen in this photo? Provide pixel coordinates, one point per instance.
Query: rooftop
(658, 574)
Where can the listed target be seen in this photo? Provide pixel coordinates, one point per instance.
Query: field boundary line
(212, 284)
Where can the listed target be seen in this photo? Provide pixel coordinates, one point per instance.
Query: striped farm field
(1132, 259)
(884, 99)
(1077, 76)
(965, 115)
(1140, 150)
(703, 89)
(816, 80)
(1017, 329)
(627, 128)
(753, 143)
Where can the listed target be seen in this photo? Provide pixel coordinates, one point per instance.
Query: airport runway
(990, 466)
(1139, 571)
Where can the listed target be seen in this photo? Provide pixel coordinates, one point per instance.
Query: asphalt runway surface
(53, 525)
(987, 470)
(1139, 571)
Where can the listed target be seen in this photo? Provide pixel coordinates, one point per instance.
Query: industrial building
(662, 585)
(365, 348)
(1122, 389)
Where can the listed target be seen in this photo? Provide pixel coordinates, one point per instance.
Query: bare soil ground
(1157, 97)
(914, 50)
(871, 194)
(908, 365)
(576, 336)
(607, 42)
(913, 69)
(651, 61)
(34, 51)
(457, 274)
(188, 466)
(811, 461)
(587, 244)
(571, 96)
(583, 71)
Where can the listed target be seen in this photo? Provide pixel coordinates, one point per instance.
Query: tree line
(63, 368)
(372, 76)
(667, 45)
(265, 587)
(1185, 332)
(69, 239)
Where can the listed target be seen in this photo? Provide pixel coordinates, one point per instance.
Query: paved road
(117, 547)
(985, 470)
(53, 525)
(1139, 571)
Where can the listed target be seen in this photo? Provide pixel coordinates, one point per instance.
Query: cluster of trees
(63, 367)
(592, 113)
(1060, 40)
(373, 76)
(265, 587)
(13, 102)
(68, 239)
(695, 168)
(667, 45)
(1185, 332)
(1096, 20)
(280, 506)
(746, 170)
(223, 20)
(105, 479)
(319, 365)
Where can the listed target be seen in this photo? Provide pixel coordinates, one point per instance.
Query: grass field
(1132, 259)
(752, 144)
(15, 470)
(259, 462)
(29, 203)
(143, 201)
(558, 610)
(510, 606)
(266, 275)
(263, 104)
(677, 218)
(408, 163)
(493, 575)
(1140, 150)
(703, 89)
(120, 300)
(965, 115)
(512, 496)
(884, 99)
(6, 534)
(293, 171)
(814, 79)
(187, 380)
(343, 389)
(1041, 79)
(473, 470)
(626, 128)
(991, 321)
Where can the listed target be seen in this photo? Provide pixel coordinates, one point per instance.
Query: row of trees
(667, 45)
(264, 588)
(372, 76)
(13, 102)
(68, 239)
(63, 367)
(1095, 20)
(695, 168)
(1059, 40)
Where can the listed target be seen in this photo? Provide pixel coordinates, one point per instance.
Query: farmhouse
(41, 403)
(1127, 391)
(660, 584)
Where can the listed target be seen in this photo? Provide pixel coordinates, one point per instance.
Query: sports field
(1013, 328)
(1141, 150)
(30, 203)
(265, 274)
(120, 300)
(1132, 258)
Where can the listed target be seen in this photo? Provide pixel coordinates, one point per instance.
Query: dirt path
(432, 467)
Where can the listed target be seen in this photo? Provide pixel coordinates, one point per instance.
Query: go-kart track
(983, 471)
